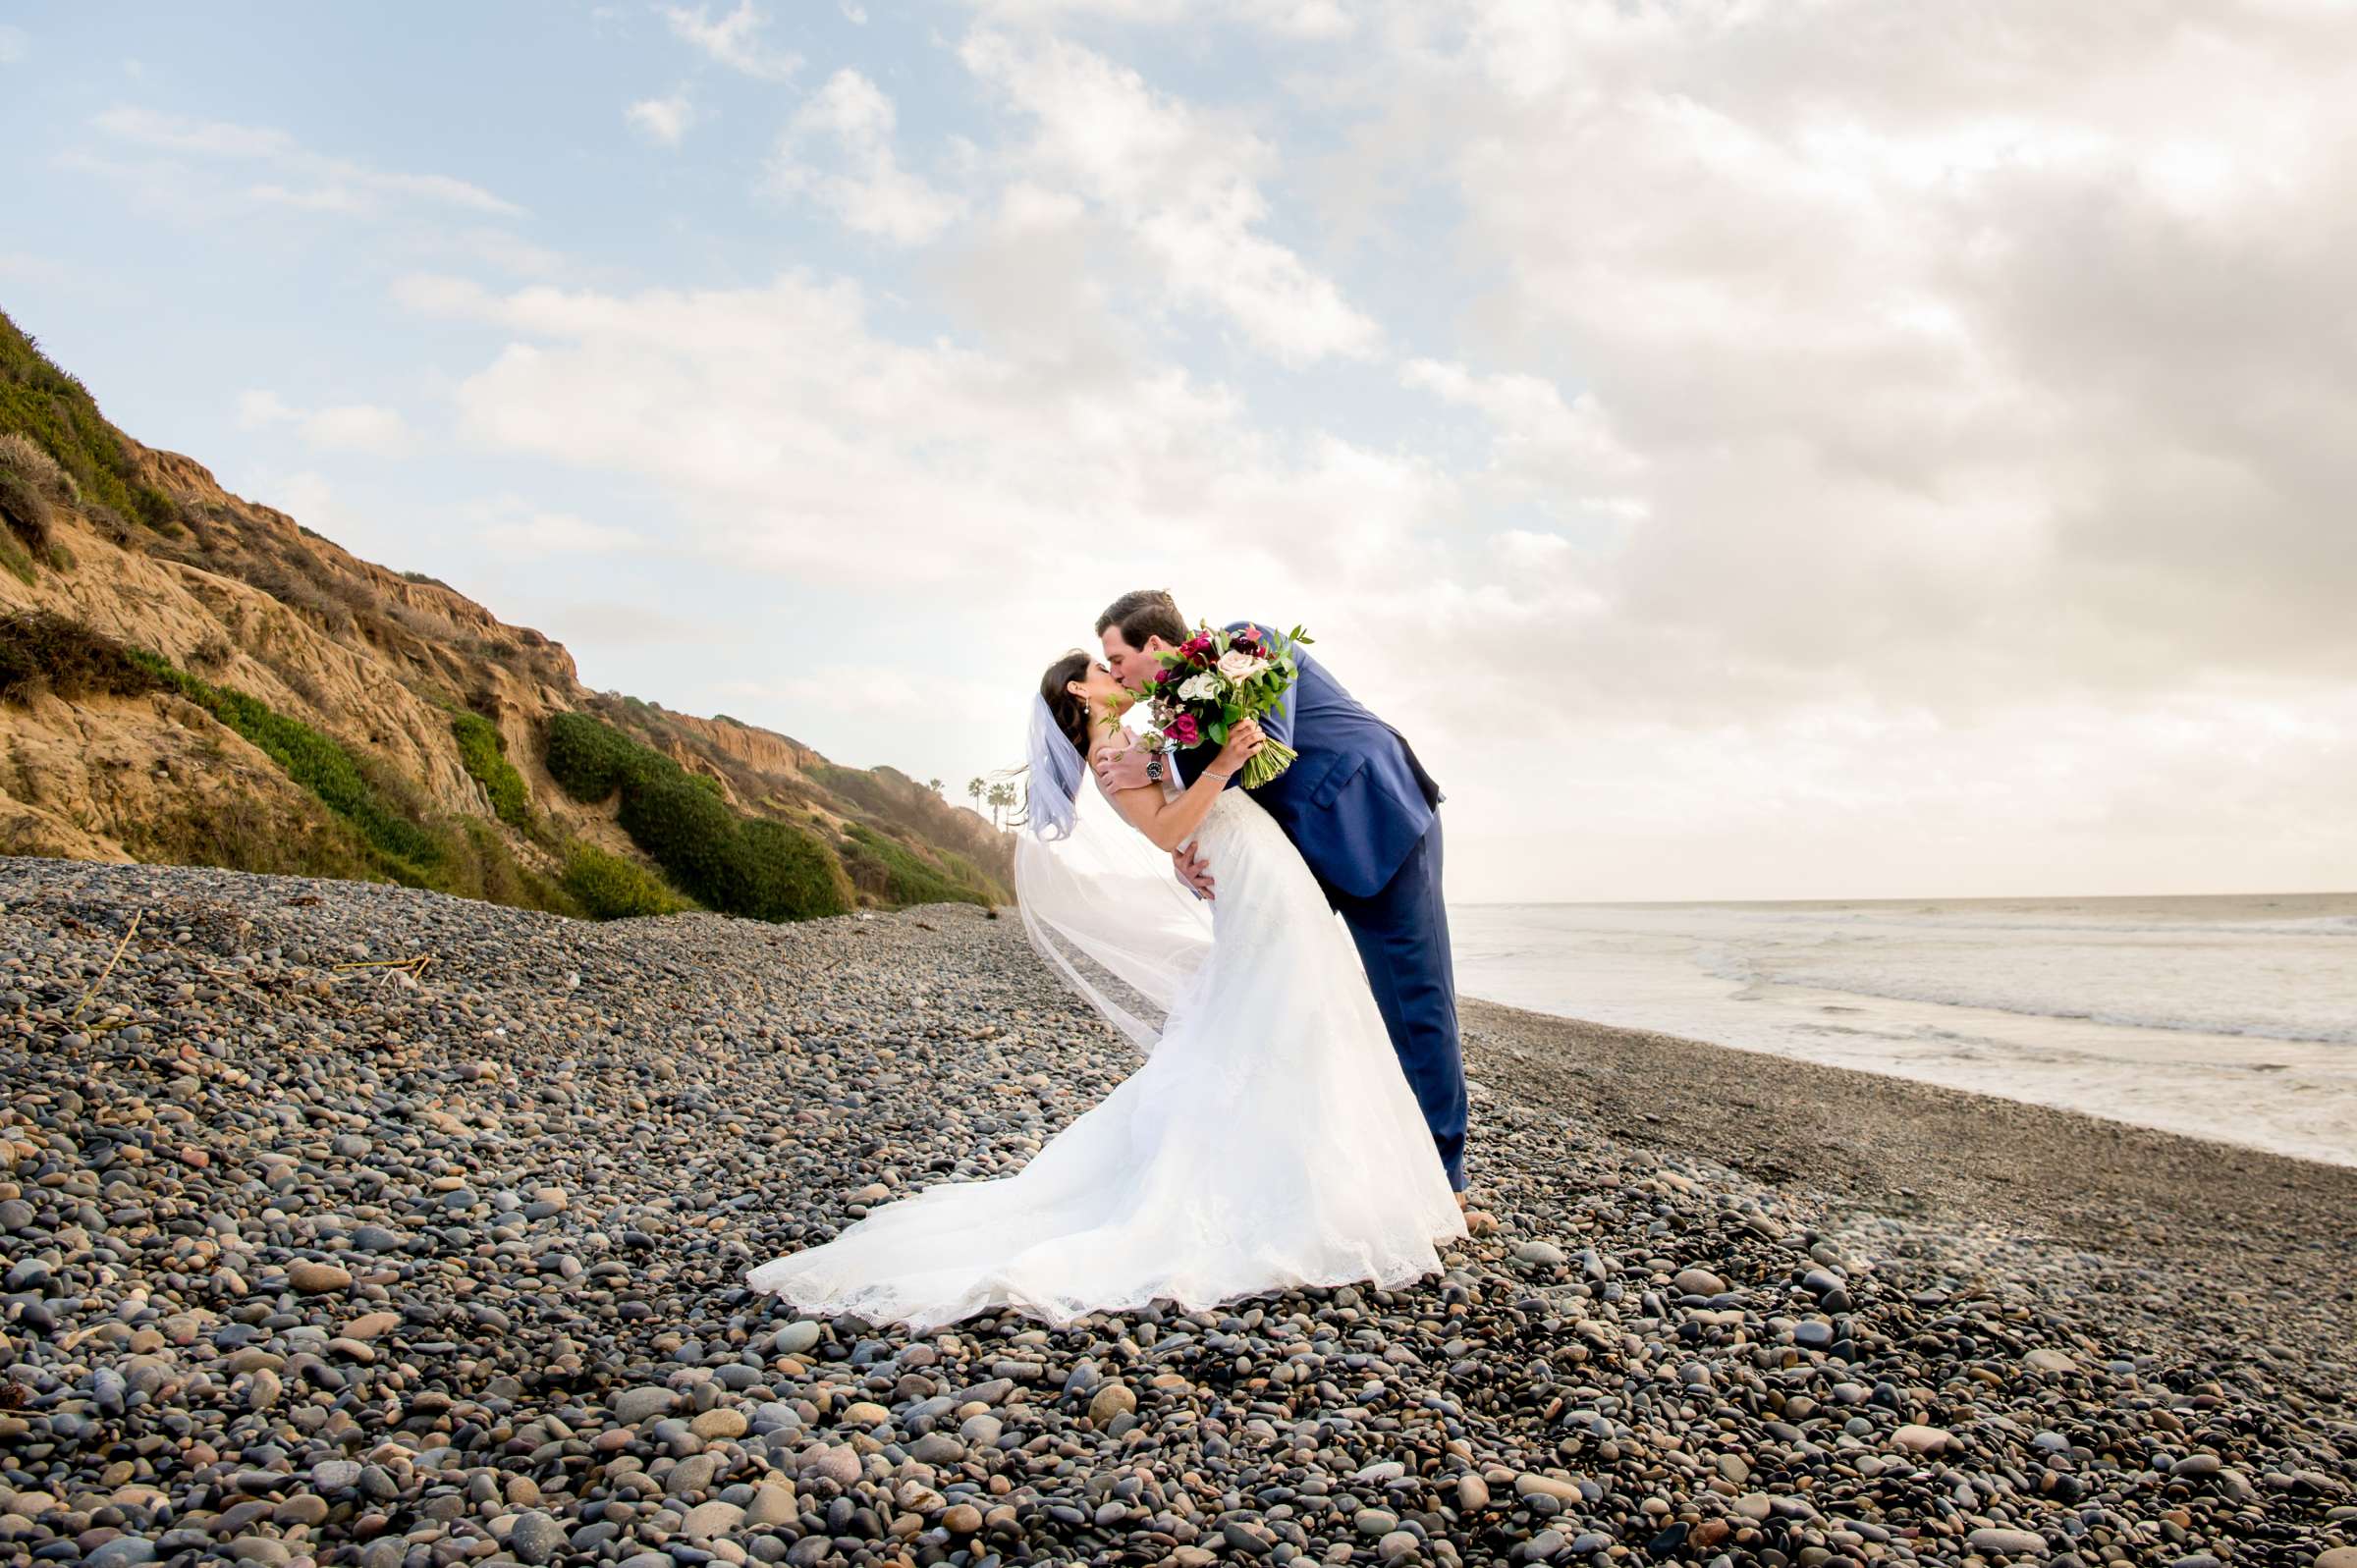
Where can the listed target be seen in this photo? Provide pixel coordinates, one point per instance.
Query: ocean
(2226, 1017)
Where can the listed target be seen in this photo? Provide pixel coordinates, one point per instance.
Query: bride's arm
(1172, 823)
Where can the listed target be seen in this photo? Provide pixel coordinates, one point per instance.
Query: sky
(1805, 450)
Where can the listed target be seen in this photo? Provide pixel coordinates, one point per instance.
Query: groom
(1360, 808)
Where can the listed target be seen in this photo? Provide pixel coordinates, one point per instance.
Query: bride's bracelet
(1214, 772)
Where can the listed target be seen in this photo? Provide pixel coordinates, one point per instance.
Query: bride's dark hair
(1069, 712)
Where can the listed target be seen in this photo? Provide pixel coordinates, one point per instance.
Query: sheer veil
(1098, 900)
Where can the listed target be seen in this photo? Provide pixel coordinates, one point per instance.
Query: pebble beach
(346, 1223)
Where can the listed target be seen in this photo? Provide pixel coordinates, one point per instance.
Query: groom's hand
(1195, 872)
(1120, 768)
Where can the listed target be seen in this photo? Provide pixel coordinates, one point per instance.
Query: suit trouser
(1402, 936)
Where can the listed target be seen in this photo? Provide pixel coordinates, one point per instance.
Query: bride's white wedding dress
(1269, 1140)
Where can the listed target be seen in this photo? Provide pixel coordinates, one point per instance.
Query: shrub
(41, 651)
(610, 888)
(692, 836)
(26, 510)
(753, 867)
(27, 457)
(590, 760)
(794, 876)
(483, 751)
(110, 524)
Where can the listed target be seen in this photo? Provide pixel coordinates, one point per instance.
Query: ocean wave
(2094, 926)
(1759, 981)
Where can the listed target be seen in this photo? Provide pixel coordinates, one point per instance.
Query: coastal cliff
(189, 676)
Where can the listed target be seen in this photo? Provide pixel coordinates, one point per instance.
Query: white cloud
(505, 250)
(1320, 20)
(855, 15)
(800, 435)
(257, 408)
(25, 264)
(1185, 185)
(841, 688)
(350, 427)
(1947, 373)
(12, 45)
(870, 192)
(357, 427)
(1561, 451)
(333, 185)
(330, 508)
(662, 121)
(509, 527)
(733, 40)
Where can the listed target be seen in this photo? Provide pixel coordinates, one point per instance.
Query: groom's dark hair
(1147, 612)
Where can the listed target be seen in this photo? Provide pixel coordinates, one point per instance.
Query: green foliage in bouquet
(1217, 679)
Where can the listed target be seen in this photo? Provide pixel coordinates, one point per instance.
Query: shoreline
(1881, 1144)
(347, 1224)
(2160, 1013)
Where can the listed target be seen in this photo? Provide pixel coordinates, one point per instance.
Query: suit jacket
(1355, 800)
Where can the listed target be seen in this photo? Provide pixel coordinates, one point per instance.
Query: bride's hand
(1243, 739)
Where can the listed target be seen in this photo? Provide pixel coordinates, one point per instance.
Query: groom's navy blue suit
(1360, 808)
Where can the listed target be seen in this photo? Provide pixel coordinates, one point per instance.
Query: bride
(1269, 1140)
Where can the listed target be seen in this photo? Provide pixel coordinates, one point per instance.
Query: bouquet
(1217, 679)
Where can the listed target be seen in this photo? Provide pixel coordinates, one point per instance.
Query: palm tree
(1001, 797)
(933, 784)
(974, 789)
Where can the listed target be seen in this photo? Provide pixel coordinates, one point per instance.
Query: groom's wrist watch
(1154, 768)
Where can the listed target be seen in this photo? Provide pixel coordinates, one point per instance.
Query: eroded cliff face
(244, 598)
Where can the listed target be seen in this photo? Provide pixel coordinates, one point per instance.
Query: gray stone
(634, 1405)
(537, 1537)
(2008, 1543)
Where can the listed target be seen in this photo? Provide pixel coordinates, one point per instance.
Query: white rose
(1199, 687)
(1239, 665)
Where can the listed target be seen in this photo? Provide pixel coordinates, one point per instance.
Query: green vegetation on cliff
(610, 888)
(740, 865)
(375, 827)
(408, 851)
(878, 864)
(49, 406)
(44, 652)
(483, 752)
